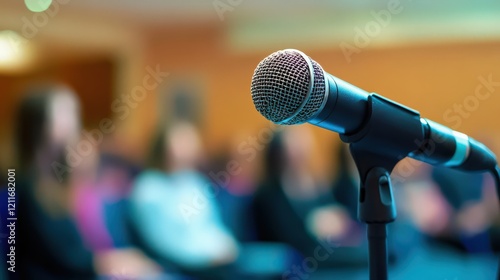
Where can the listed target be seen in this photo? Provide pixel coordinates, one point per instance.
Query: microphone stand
(376, 208)
(376, 149)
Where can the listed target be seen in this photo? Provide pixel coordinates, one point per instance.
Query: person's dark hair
(32, 121)
(31, 125)
(274, 158)
(158, 152)
(343, 158)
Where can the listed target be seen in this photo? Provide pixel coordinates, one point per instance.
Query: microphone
(289, 88)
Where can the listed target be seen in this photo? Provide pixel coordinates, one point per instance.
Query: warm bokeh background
(196, 59)
(429, 57)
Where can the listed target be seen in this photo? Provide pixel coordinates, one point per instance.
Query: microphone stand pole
(377, 208)
(376, 149)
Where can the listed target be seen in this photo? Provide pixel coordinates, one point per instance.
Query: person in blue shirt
(173, 208)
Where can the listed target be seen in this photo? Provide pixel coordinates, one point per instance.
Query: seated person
(293, 207)
(50, 244)
(173, 209)
(469, 216)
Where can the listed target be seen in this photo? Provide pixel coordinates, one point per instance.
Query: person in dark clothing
(346, 184)
(52, 161)
(48, 243)
(292, 207)
(50, 247)
(469, 215)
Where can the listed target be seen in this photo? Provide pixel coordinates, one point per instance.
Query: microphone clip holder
(376, 150)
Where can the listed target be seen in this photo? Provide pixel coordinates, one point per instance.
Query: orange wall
(92, 79)
(429, 78)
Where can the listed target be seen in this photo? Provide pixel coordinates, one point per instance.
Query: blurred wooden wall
(91, 78)
(430, 78)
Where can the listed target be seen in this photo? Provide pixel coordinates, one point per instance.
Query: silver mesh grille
(280, 85)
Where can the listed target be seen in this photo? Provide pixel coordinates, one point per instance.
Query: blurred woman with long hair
(293, 207)
(52, 161)
(50, 246)
(174, 213)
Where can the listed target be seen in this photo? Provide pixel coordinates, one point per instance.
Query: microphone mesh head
(282, 90)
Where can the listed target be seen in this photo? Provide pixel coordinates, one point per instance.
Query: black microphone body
(306, 93)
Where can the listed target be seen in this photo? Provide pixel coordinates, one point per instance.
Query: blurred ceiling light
(37, 5)
(15, 53)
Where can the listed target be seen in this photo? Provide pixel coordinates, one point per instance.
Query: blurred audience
(50, 246)
(346, 183)
(235, 175)
(101, 208)
(99, 215)
(173, 209)
(293, 207)
(451, 208)
(50, 243)
(469, 218)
